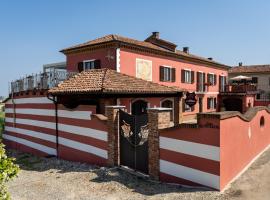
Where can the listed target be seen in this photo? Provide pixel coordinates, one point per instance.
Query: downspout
(54, 99)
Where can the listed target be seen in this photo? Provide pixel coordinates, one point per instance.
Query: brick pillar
(113, 136)
(158, 118)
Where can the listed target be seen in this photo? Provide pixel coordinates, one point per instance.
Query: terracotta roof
(250, 69)
(107, 81)
(145, 44)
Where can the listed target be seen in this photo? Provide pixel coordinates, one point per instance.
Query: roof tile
(109, 81)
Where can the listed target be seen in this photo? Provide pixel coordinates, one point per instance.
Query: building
(124, 102)
(260, 76)
(54, 67)
(156, 60)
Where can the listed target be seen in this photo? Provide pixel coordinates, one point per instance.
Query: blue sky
(33, 32)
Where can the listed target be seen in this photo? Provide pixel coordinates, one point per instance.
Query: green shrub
(8, 170)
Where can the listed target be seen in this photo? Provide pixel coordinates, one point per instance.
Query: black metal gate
(134, 141)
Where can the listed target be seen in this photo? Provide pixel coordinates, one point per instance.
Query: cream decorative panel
(144, 69)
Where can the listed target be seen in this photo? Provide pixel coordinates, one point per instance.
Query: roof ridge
(103, 78)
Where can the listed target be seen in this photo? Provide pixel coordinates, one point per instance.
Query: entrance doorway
(134, 131)
(200, 104)
(139, 107)
(233, 104)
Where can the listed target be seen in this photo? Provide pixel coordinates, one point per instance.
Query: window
(254, 79)
(211, 79)
(201, 82)
(187, 76)
(211, 103)
(167, 74)
(89, 64)
(222, 83)
(168, 104)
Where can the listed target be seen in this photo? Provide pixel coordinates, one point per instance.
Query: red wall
(237, 147)
(128, 66)
(101, 54)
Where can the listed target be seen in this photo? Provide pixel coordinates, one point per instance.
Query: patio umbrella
(240, 77)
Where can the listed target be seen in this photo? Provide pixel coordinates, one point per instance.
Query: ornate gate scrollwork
(142, 136)
(134, 131)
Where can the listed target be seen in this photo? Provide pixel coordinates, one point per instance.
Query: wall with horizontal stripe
(190, 155)
(242, 141)
(30, 126)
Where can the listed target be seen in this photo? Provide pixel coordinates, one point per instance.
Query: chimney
(155, 35)
(186, 49)
(240, 64)
(210, 58)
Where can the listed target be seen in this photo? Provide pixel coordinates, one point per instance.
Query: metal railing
(40, 81)
(240, 88)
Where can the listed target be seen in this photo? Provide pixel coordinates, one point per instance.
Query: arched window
(167, 103)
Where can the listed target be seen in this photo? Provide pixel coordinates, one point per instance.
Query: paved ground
(49, 179)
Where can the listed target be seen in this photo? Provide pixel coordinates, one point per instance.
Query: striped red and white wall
(190, 156)
(30, 126)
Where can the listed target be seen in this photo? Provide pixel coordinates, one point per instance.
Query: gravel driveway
(49, 179)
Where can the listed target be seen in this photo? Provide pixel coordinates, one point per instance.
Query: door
(134, 141)
(139, 107)
(200, 104)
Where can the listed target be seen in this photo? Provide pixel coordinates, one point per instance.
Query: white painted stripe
(48, 150)
(40, 100)
(35, 134)
(83, 147)
(75, 114)
(48, 112)
(191, 148)
(190, 174)
(37, 123)
(89, 132)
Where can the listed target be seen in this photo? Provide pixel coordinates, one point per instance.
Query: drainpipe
(54, 99)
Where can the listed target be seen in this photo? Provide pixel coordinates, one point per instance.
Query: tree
(8, 170)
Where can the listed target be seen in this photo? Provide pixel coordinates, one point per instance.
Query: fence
(45, 80)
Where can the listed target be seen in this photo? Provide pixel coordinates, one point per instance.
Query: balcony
(40, 81)
(240, 88)
(202, 87)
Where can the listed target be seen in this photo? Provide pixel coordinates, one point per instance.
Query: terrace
(40, 81)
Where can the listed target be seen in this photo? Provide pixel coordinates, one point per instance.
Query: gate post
(113, 136)
(158, 118)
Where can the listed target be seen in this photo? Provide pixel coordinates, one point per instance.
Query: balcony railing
(240, 88)
(202, 87)
(40, 81)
